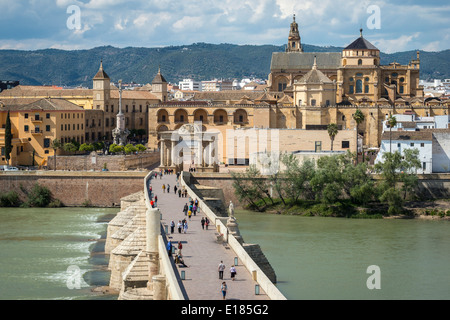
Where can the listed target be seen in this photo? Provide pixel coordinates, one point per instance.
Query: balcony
(36, 132)
(36, 119)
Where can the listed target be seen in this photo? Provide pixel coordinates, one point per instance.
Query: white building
(411, 122)
(433, 146)
(190, 85)
(217, 85)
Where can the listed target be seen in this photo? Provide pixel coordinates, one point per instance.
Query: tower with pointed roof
(159, 86)
(101, 88)
(294, 40)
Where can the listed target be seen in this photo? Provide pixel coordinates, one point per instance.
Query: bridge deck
(201, 252)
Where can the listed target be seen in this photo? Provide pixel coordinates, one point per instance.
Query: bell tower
(294, 40)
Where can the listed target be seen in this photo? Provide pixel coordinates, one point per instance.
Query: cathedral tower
(294, 41)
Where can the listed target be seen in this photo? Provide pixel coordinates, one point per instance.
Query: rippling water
(53, 253)
(327, 258)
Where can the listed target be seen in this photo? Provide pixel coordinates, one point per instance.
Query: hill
(200, 61)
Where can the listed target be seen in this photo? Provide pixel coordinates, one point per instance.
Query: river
(328, 258)
(50, 254)
(42, 252)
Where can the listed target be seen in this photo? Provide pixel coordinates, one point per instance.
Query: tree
(332, 132)
(141, 147)
(359, 117)
(85, 147)
(8, 139)
(56, 144)
(391, 122)
(129, 148)
(246, 189)
(70, 147)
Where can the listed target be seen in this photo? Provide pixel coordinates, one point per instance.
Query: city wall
(99, 189)
(97, 162)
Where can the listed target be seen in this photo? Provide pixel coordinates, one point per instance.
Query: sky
(392, 26)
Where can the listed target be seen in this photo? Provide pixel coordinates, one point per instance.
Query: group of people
(224, 287)
(178, 255)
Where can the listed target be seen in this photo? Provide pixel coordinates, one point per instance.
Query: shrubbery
(38, 196)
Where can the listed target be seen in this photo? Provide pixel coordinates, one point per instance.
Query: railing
(259, 276)
(174, 291)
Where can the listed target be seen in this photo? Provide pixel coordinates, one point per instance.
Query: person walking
(179, 193)
(185, 209)
(172, 226)
(203, 223)
(189, 214)
(169, 248)
(152, 203)
(206, 223)
(221, 269)
(185, 227)
(233, 272)
(168, 188)
(175, 189)
(194, 209)
(164, 188)
(179, 226)
(180, 246)
(224, 289)
(156, 200)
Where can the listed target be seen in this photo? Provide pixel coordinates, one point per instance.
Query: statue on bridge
(231, 209)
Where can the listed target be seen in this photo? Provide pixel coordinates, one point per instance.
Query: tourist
(203, 223)
(233, 272)
(179, 259)
(175, 189)
(185, 227)
(206, 223)
(164, 188)
(223, 288)
(189, 214)
(185, 193)
(179, 193)
(194, 209)
(221, 268)
(179, 226)
(172, 226)
(150, 189)
(156, 200)
(152, 203)
(168, 188)
(180, 246)
(169, 248)
(185, 209)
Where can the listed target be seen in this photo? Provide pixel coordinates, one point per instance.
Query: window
(350, 89)
(37, 117)
(313, 102)
(412, 144)
(366, 88)
(422, 145)
(345, 144)
(401, 89)
(47, 116)
(26, 128)
(359, 86)
(318, 146)
(62, 127)
(46, 143)
(359, 62)
(351, 79)
(47, 128)
(26, 115)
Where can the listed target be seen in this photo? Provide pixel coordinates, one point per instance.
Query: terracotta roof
(232, 95)
(314, 76)
(133, 95)
(425, 135)
(45, 105)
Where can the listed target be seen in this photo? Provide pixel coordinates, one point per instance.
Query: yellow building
(36, 125)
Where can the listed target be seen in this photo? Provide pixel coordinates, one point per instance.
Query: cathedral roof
(305, 60)
(361, 44)
(314, 76)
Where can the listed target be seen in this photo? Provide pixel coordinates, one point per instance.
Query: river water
(53, 253)
(328, 258)
(58, 254)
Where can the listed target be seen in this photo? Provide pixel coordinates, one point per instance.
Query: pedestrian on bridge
(164, 188)
(221, 270)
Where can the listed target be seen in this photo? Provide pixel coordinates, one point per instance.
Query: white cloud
(402, 43)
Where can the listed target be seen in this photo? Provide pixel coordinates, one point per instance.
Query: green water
(327, 258)
(53, 253)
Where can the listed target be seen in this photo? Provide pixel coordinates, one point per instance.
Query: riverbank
(431, 210)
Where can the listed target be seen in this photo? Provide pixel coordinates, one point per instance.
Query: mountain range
(200, 61)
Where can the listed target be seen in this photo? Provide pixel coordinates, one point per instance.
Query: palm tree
(56, 144)
(332, 132)
(391, 122)
(359, 117)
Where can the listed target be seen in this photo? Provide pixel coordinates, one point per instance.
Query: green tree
(391, 122)
(141, 148)
(56, 145)
(114, 148)
(359, 117)
(70, 147)
(8, 139)
(85, 147)
(245, 188)
(332, 132)
(39, 196)
(129, 148)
